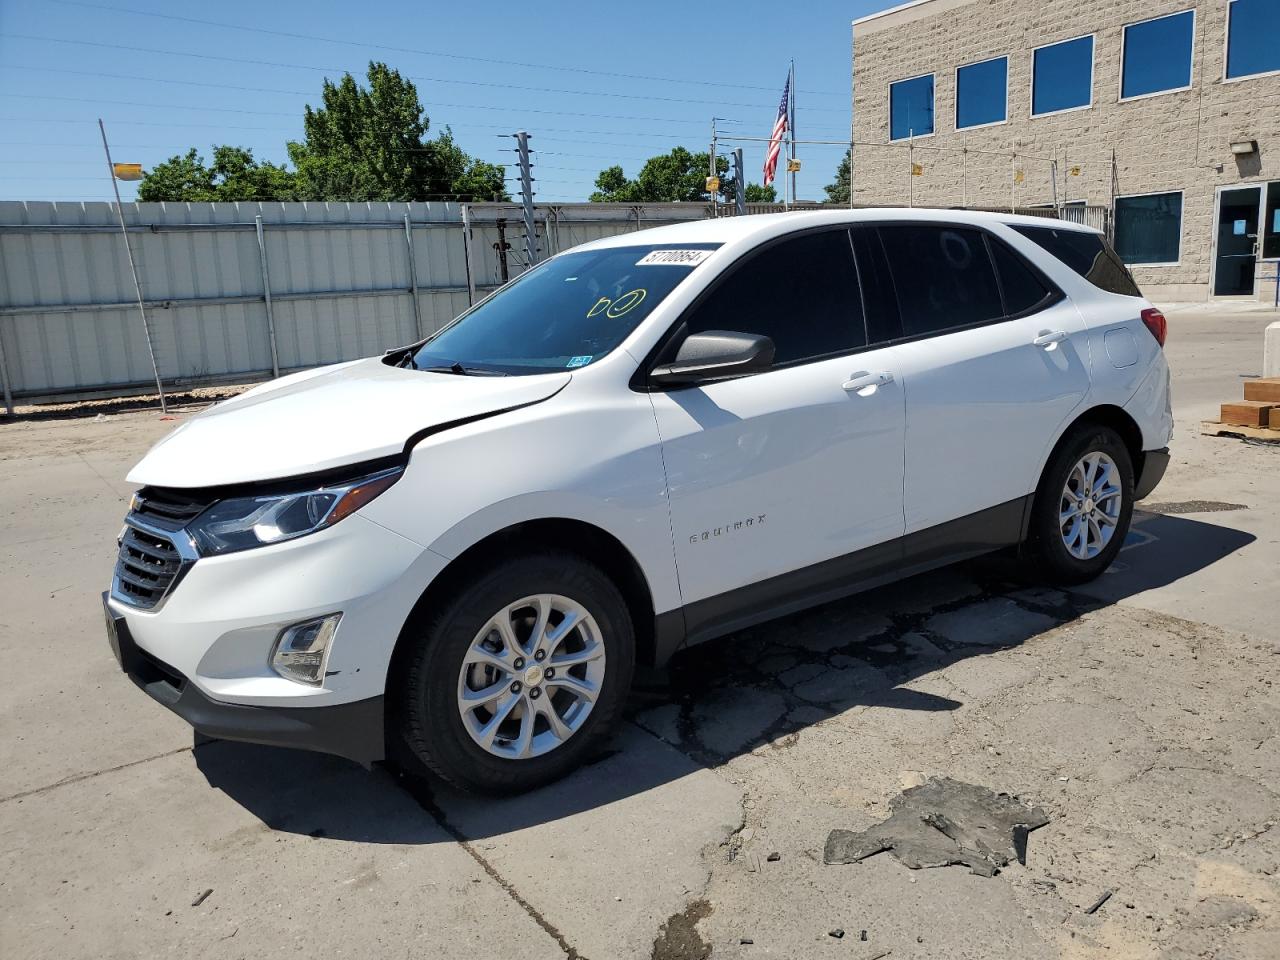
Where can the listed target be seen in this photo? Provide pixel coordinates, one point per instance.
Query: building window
(1062, 76)
(1157, 55)
(982, 93)
(1149, 228)
(1253, 38)
(911, 108)
(1271, 230)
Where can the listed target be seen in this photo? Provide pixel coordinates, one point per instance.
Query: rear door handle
(860, 382)
(1050, 340)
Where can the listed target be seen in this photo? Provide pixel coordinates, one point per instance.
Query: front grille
(169, 508)
(146, 567)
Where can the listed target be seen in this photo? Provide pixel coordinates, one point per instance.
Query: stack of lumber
(1257, 416)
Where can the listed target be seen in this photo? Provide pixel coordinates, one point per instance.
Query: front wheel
(513, 681)
(1083, 506)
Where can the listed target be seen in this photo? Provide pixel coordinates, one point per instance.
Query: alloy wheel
(531, 676)
(1089, 509)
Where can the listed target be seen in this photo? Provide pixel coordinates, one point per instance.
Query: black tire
(1044, 545)
(431, 726)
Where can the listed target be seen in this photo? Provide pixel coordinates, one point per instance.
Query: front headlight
(245, 522)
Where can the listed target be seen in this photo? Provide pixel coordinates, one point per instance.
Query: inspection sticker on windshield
(674, 258)
(578, 361)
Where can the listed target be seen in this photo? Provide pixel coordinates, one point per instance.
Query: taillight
(1154, 321)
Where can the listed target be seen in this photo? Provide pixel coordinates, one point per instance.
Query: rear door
(994, 359)
(776, 472)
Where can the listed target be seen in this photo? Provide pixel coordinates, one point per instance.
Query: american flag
(775, 138)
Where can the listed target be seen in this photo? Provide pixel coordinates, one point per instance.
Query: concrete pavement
(1139, 711)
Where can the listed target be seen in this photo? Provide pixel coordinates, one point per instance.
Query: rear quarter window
(1088, 254)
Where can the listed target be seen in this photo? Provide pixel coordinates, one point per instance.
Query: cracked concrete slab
(1140, 711)
(999, 622)
(109, 867)
(613, 867)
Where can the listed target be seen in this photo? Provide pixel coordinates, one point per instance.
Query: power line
(470, 83)
(280, 113)
(131, 123)
(428, 53)
(277, 113)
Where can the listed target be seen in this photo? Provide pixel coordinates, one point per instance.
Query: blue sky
(164, 83)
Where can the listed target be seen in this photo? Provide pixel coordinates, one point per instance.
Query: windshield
(566, 313)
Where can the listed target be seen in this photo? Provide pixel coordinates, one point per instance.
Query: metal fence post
(266, 294)
(4, 376)
(466, 254)
(413, 277)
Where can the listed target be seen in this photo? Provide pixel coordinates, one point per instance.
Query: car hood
(327, 417)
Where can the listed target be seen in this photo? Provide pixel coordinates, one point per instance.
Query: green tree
(674, 177)
(758, 194)
(838, 192)
(370, 143)
(233, 175)
(669, 178)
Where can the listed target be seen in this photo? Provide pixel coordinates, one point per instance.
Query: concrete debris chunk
(944, 822)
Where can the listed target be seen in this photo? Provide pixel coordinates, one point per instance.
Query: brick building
(1164, 112)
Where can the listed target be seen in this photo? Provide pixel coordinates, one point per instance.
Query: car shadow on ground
(724, 698)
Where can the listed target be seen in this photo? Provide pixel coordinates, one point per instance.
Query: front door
(1237, 257)
(773, 473)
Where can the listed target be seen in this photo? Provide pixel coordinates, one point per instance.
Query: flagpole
(792, 129)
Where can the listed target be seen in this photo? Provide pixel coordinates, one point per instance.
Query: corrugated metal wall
(340, 282)
(340, 278)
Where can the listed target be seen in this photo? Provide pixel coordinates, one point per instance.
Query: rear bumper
(1154, 464)
(353, 730)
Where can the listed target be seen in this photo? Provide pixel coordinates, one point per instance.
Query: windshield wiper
(459, 370)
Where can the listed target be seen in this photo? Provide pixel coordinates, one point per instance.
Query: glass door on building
(1237, 257)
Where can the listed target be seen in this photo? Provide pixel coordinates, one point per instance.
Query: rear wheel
(1083, 506)
(511, 683)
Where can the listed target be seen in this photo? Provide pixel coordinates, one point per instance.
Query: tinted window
(1252, 44)
(1085, 253)
(1022, 288)
(1062, 76)
(802, 293)
(982, 93)
(911, 108)
(1149, 229)
(565, 313)
(879, 301)
(1271, 230)
(943, 276)
(1157, 55)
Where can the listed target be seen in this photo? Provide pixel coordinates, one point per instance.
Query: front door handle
(1050, 340)
(864, 384)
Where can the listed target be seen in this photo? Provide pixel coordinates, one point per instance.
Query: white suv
(456, 553)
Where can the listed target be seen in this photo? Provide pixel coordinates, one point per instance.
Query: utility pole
(711, 171)
(526, 198)
(739, 183)
(137, 285)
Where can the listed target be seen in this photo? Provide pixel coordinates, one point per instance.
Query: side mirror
(714, 355)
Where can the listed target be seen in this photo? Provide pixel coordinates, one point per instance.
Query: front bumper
(218, 627)
(354, 730)
(1154, 464)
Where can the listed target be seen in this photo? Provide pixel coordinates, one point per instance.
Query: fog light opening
(302, 650)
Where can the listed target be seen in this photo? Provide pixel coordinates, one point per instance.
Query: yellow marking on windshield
(613, 309)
